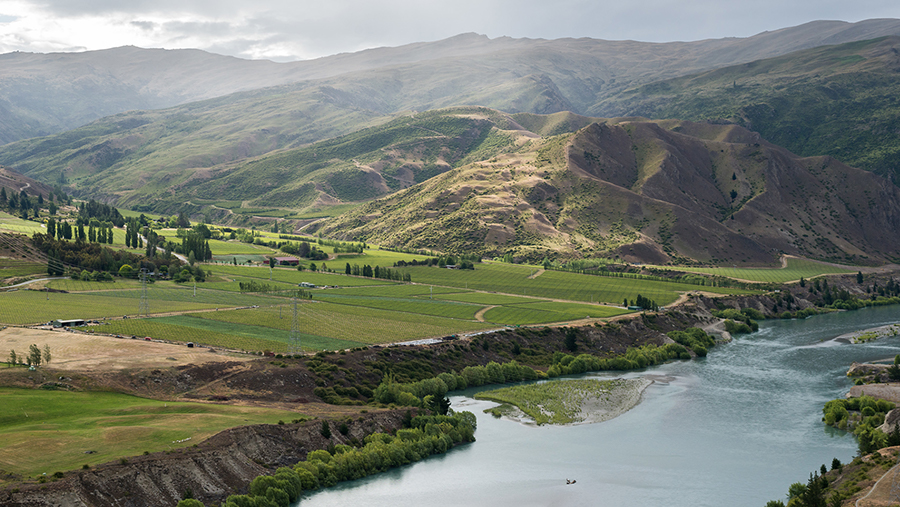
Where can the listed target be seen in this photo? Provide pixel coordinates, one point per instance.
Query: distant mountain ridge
(42, 94)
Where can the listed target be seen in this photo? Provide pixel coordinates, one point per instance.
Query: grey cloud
(144, 25)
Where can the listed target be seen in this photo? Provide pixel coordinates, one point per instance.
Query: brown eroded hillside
(644, 191)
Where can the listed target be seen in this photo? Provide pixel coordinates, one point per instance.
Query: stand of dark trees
(94, 257)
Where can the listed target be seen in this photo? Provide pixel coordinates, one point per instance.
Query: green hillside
(649, 192)
(833, 100)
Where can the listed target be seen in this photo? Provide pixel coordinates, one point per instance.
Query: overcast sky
(286, 30)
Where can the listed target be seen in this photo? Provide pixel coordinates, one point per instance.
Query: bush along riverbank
(424, 436)
(431, 393)
(864, 417)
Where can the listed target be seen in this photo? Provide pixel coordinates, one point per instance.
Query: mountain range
(643, 191)
(236, 140)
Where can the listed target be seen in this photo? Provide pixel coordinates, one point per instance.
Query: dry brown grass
(76, 351)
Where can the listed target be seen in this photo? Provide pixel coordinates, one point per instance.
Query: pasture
(46, 431)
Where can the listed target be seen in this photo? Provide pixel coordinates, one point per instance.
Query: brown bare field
(77, 351)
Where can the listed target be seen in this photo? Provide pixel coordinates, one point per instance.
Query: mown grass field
(796, 269)
(234, 247)
(45, 431)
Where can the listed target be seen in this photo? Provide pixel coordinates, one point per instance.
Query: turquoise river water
(733, 429)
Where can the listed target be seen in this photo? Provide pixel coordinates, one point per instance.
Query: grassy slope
(48, 431)
(651, 192)
(833, 100)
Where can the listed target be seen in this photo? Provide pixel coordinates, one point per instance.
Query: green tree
(190, 502)
(34, 355)
(859, 277)
(814, 496)
(13, 359)
(272, 261)
(326, 429)
(46, 354)
(570, 341)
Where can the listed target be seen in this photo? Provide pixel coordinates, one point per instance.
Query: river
(736, 429)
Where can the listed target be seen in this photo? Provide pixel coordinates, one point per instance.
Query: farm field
(547, 312)
(394, 290)
(359, 311)
(15, 224)
(796, 269)
(112, 425)
(25, 307)
(350, 323)
(437, 308)
(234, 247)
(514, 279)
(223, 333)
(293, 276)
(10, 268)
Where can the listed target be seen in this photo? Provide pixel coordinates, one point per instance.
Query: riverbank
(568, 402)
(867, 335)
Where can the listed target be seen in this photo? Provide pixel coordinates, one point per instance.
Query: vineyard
(345, 311)
(795, 270)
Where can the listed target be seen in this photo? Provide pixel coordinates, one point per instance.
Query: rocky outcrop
(221, 466)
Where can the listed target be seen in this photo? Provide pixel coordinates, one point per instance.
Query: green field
(288, 275)
(351, 323)
(224, 333)
(437, 308)
(43, 431)
(353, 312)
(10, 268)
(14, 224)
(547, 312)
(234, 247)
(405, 290)
(514, 279)
(796, 269)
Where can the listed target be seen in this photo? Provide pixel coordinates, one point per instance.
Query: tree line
(34, 357)
(421, 437)
(377, 272)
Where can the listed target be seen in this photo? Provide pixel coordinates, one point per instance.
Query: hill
(642, 191)
(835, 100)
(14, 183)
(43, 94)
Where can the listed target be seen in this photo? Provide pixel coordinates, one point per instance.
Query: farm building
(68, 323)
(287, 261)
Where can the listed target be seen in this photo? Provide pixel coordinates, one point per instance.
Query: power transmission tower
(143, 310)
(295, 329)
